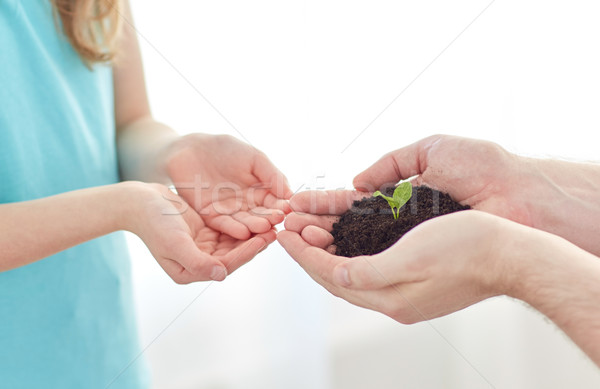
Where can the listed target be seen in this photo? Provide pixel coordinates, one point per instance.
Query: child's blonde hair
(91, 26)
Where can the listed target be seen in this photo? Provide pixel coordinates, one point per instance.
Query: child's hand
(180, 239)
(234, 186)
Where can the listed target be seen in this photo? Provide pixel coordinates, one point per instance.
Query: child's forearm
(143, 148)
(564, 199)
(142, 142)
(32, 230)
(562, 281)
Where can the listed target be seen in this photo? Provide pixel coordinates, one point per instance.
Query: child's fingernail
(341, 276)
(218, 273)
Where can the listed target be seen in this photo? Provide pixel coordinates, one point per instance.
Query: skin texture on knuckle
(363, 274)
(429, 143)
(197, 269)
(409, 320)
(404, 313)
(173, 243)
(292, 222)
(176, 246)
(395, 309)
(226, 139)
(260, 155)
(179, 279)
(436, 138)
(323, 274)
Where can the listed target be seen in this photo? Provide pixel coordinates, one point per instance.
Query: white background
(300, 80)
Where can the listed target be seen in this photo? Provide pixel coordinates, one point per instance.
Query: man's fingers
(376, 271)
(317, 237)
(320, 265)
(315, 261)
(396, 165)
(330, 202)
(298, 221)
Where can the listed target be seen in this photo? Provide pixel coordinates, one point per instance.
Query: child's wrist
(125, 199)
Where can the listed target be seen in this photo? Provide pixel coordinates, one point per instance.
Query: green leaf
(390, 200)
(402, 194)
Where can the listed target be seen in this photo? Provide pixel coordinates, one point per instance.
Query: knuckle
(401, 312)
(262, 224)
(179, 279)
(324, 275)
(261, 154)
(197, 268)
(225, 138)
(409, 319)
(438, 136)
(287, 224)
(363, 281)
(363, 273)
(336, 292)
(174, 244)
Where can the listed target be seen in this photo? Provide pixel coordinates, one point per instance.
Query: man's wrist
(561, 198)
(540, 264)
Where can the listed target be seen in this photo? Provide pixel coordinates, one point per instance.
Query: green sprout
(402, 194)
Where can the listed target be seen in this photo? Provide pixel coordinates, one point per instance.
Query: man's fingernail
(341, 276)
(218, 273)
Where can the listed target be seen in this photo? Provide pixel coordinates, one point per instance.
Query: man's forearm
(562, 281)
(564, 199)
(143, 147)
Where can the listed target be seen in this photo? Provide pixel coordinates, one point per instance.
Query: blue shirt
(66, 321)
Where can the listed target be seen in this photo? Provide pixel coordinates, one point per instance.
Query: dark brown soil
(369, 227)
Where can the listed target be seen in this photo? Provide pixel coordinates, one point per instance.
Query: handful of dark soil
(369, 227)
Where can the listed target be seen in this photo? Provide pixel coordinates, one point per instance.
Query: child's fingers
(273, 202)
(273, 216)
(228, 225)
(255, 224)
(201, 267)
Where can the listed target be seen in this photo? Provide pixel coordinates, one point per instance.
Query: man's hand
(552, 195)
(474, 256)
(413, 280)
(477, 173)
(232, 185)
(474, 172)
